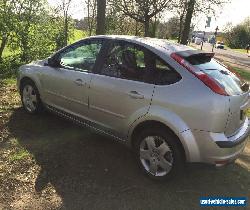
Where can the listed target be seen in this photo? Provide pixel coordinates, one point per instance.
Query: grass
(242, 72)
(243, 51)
(9, 81)
(77, 35)
(174, 40)
(20, 155)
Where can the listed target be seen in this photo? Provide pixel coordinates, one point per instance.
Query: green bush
(238, 36)
(9, 66)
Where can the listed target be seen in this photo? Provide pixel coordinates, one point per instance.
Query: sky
(234, 12)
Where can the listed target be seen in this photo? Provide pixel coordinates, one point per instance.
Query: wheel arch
(27, 78)
(153, 123)
(173, 123)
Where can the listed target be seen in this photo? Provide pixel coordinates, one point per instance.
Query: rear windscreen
(228, 80)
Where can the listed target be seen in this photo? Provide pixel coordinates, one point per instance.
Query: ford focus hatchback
(172, 104)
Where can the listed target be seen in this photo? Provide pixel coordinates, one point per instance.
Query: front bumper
(218, 149)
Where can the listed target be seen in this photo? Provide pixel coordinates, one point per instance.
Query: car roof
(163, 45)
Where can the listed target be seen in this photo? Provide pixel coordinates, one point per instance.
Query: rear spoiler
(195, 53)
(194, 56)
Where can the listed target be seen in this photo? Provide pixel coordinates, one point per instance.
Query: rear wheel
(30, 98)
(158, 153)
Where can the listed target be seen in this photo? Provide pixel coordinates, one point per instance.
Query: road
(228, 55)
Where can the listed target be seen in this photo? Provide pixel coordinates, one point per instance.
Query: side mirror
(53, 62)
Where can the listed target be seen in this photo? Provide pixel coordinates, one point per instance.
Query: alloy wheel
(29, 98)
(156, 156)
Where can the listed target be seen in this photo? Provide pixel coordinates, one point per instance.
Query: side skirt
(82, 122)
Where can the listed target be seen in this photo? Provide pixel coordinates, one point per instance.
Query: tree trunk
(136, 28)
(154, 27)
(24, 54)
(91, 10)
(89, 23)
(146, 27)
(187, 24)
(66, 28)
(180, 27)
(2, 46)
(101, 10)
(24, 47)
(66, 33)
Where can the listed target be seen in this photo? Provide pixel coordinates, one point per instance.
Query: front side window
(132, 62)
(82, 57)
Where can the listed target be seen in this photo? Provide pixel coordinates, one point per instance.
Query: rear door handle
(135, 95)
(79, 82)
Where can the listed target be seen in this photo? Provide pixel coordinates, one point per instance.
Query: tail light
(209, 82)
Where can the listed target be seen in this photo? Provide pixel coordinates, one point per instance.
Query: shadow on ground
(89, 171)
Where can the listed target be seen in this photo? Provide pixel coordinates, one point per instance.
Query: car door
(66, 86)
(118, 93)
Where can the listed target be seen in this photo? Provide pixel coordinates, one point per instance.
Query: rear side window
(217, 71)
(132, 62)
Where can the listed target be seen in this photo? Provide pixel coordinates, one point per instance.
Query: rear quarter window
(164, 74)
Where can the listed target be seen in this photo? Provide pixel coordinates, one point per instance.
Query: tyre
(158, 153)
(30, 98)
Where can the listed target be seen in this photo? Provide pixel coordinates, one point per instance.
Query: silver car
(172, 104)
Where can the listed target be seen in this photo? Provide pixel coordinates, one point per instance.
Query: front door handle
(135, 95)
(79, 82)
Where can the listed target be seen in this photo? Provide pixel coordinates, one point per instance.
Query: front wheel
(158, 153)
(30, 98)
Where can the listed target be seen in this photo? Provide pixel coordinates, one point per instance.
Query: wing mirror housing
(52, 62)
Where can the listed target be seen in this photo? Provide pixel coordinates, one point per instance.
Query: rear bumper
(237, 138)
(218, 149)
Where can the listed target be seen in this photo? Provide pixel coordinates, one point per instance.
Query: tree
(27, 14)
(238, 36)
(197, 7)
(7, 22)
(144, 10)
(30, 29)
(187, 24)
(101, 14)
(118, 23)
(63, 10)
(36, 29)
(180, 9)
(91, 15)
(169, 29)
